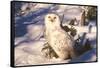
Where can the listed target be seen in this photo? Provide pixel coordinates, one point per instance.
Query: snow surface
(29, 37)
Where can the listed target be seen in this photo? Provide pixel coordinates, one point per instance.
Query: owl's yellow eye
(54, 17)
(49, 17)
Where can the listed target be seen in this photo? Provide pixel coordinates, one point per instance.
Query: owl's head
(52, 19)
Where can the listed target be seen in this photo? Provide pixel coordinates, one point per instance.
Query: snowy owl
(59, 40)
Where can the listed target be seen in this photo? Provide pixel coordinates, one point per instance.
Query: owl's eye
(49, 17)
(54, 17)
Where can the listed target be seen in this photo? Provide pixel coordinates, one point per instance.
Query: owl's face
(52, 19)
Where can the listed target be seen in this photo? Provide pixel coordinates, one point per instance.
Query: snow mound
(30, 54)
(35, 31)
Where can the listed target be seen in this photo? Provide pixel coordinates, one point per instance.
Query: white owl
(59, 40)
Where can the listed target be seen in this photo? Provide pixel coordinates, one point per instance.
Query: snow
(29, 37)
(35, 31)
(30, 54)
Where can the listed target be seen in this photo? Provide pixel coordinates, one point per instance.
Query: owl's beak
(52, 20)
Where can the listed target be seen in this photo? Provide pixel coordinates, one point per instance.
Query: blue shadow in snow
(20, 29)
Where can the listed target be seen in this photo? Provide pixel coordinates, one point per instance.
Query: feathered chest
(58, 36)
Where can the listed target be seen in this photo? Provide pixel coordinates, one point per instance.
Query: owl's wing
(46, 34)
